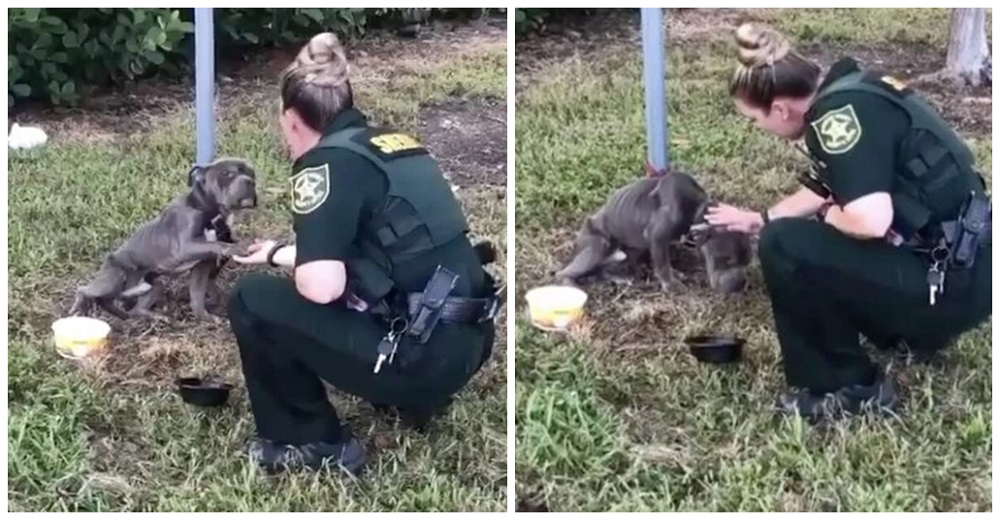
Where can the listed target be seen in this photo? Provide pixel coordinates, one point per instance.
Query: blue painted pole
(204, 64)
(655, 83)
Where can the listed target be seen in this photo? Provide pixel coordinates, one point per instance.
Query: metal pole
(655, 83)
(204, 45)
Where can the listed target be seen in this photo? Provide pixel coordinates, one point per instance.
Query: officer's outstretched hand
(734, 219)
(256, 252)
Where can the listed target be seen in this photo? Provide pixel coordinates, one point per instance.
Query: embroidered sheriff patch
(310, 188)
(838, 130)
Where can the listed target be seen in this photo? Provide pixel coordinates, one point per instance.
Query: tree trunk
(968, 54)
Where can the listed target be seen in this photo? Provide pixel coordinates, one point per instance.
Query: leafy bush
(54, 52)
(248, 26)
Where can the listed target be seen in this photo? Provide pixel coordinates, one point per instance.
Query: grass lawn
(114, 436)
(617, 415)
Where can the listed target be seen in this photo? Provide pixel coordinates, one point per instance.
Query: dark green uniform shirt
(342, 190)
(352, 186)
(856, 134)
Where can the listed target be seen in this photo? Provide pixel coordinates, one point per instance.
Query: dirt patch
(469, 139)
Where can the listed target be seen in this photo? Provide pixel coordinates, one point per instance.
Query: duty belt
(950, 229)
(957, 244)
(458, 309)
(424, 310)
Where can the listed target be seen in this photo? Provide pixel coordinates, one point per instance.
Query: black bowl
(715, 349)
(203, 392)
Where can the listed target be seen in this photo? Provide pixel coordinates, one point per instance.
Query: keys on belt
(935, 275)
(387, 345)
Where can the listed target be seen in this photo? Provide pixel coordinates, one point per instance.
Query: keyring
(940, 254)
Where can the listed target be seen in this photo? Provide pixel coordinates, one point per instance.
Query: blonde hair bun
(323, 61)
(760, 46)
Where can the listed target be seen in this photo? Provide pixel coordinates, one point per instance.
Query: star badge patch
(838, 131)
(310, 188)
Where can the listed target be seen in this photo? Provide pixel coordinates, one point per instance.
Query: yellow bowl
(554, 307)
(77, 337)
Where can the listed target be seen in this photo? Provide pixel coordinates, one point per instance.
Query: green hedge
(54, 52)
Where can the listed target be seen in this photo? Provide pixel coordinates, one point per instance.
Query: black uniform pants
(826, 288)
(289, 346)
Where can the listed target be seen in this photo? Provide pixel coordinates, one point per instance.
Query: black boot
(348, 455)
(880, 396)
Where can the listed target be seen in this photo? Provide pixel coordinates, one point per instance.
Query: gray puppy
(644, 218)
(183, 238)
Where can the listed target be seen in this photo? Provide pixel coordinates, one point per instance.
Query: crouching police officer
(389, 300)
(901, 249)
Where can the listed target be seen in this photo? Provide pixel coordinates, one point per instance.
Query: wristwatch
(271, 253)
(764, 217)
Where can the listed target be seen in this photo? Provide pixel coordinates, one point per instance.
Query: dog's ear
(196, 175)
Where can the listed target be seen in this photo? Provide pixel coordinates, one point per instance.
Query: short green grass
(617, 416)
(115, 437)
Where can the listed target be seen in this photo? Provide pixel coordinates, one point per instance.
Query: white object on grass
(25, 137)
(555, 307)
(76, 337)
(81, 327)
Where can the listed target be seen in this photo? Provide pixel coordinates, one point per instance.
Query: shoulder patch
(310, 188)
(389, 144)
(838, 130)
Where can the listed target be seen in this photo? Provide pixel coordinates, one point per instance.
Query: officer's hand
(733, 219)
(256, 252)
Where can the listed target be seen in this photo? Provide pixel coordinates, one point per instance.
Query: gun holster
(972, 230)
(428, 311)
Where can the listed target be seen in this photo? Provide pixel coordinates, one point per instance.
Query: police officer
(899, 251)
(388, 299)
